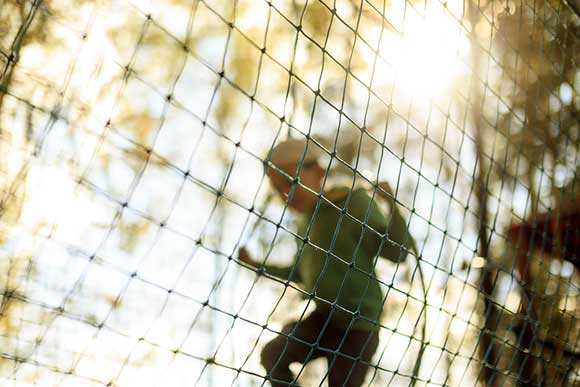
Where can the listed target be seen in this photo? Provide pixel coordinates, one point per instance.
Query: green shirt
(336, 263)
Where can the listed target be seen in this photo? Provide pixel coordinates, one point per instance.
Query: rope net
(157, 229)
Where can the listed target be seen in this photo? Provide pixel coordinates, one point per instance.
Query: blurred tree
(540, 76)
(531, 139)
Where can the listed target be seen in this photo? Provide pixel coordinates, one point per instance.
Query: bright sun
(424, 56)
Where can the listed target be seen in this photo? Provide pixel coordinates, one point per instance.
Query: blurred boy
(343, 234)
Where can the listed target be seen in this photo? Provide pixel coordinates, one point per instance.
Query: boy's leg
(295, 347)
(343, 370)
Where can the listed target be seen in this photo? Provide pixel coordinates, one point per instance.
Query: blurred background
(132, 140)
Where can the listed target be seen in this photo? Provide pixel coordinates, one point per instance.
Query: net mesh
(135, 140)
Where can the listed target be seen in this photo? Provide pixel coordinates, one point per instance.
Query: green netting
(143, 241)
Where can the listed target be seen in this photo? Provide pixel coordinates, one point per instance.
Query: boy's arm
(397, 241)
(281, 272)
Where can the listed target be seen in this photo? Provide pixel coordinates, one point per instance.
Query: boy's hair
(292, 152)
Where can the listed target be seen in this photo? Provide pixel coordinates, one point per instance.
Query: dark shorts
(348, 352)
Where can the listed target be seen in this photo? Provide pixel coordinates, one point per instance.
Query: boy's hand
(245, 257)
(386, 187)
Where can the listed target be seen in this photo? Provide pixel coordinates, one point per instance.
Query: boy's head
(286, 158)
